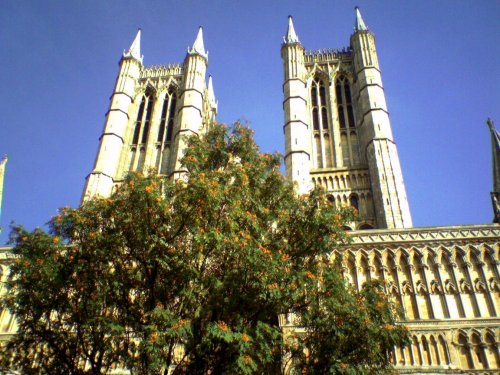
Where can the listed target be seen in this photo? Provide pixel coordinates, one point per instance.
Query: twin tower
(337, 128)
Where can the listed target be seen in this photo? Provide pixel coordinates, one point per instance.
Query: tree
(191, 277)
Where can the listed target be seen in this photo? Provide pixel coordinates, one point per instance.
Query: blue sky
(440, 64)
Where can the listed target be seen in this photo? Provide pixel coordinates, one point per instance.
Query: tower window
(142, 123)
(350, 116)
(147, 120)
(345, 112)
(324, 115)
(322, 94)
(167, 117)
(321, 124)
(314, 97)
(315, 119)
(338, 92)
(341, 117)
(138, 123)
(347, 91)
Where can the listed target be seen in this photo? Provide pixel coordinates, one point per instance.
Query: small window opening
(354, 201)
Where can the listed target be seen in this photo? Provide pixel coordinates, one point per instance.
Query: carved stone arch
(150, 87)
(460, 255)
(378, 265)
(489, 257)
(174, 83)
(318, 72)
(365, 265)
(390, 258)
(475, 253)
(417, 257)
(490, 332)
(375, 254)
(445, 256)
(490, 252)
(351, 255)
(352, 268)
(430, 256)
(403, 253)
(491, 347)
(474, 332)
(460, 335)
(444, 350)
(364, 226)
(344, 73)
(362, 253)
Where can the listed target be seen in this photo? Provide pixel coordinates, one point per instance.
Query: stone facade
(151, 109)
(337, 129)
(338, 136)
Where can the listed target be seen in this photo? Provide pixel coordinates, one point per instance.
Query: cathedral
(337, 135)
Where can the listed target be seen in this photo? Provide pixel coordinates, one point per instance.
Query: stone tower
(151, 110)
(337, 129)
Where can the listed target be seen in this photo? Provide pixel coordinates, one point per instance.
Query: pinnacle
(198, 46)
(291, 35)
(360, 24)
(211, 94)
(135, 49)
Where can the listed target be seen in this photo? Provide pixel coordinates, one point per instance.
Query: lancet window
(143, 122)
(347, 124)
(141, 132)
(321, 124)
(165, 131)
(167, 117)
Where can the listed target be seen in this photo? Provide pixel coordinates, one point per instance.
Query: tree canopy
(194, 276)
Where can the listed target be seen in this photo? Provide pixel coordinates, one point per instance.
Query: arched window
(315, 119)
(321, 123)
(478, 348)
(346, 119)
(147, 120)
(322, 94)
(341, 117)
(138, 122)
(141, 130)
(167, 117)
(464, 352)
(492, 351)
(354, 201)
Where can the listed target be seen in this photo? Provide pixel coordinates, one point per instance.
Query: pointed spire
(3, 162)
(211, 94)
(134, 51)
(360, 24)
(495, 153)
(198, 46)
(291, 35)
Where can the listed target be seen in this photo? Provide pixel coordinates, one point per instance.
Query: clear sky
(440, 64)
